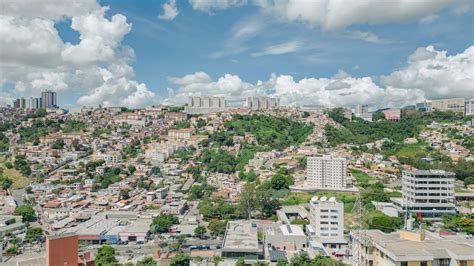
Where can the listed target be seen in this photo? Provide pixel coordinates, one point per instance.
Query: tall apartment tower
(429, 192)
(262, 102)
(205, 104)
(48, 99)
(469, 107)
(326, 218)
(326, 172)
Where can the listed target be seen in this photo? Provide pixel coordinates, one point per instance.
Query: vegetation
(181, 259)
(74, 126)
(199, 231)
(163, 223)
(105, 256)
(217, 227)
(98, 132)
(218, 161)
(26, 212)
(4, 143)
(302, 259)
(33, 234)
(110, 176)
(37, 130)
(147, 261)
(463, 223)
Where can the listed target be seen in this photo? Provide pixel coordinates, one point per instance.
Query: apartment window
(462, 263)
(404, 263)
(424, 263)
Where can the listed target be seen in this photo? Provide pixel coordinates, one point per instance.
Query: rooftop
(241, 236)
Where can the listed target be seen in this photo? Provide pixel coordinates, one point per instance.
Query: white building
(362, 111)
(429, 192)
(469, 107)
(326, 218)
(262, 102)
(326, 172)
(205, 105)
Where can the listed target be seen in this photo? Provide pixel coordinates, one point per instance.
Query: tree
(58, 144)
(8, 165)
(248, 199)
(197, 191)
(125, 194)
(300, 259)
(5, 182)
(147, 261)
(217, 227)
(180, 259)
(282, 262)
(105, 256)
(164, 222)
(132, 169)
(26, 212)
(155, 170)
(199, 231)
(216, 259)
(282, 179)
(240, 261)
(33, 233)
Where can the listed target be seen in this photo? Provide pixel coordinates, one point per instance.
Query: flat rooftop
(241, 236)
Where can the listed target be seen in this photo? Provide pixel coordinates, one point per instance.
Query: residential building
(182, 134)
(326, 172)
(469, 107)
(49, 99)
(327, 220)
(62, 249)
(262, 102)
(241, 240)
(454, 104)
(428, 192)
(424, 106)
(362, 111)
(406, 248)
(205, 105)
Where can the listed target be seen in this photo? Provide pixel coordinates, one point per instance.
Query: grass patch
(412, 150)
(460, 190)
(19, 180)
(361, 177)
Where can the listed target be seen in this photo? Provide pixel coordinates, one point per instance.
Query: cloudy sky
(327, 52)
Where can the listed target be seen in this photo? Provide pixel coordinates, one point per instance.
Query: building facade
(205, 105)
(454, 104)
(326, 218)
(428, 192)
(49, 99)
(326, 172)
(469, 107)
(262, 102)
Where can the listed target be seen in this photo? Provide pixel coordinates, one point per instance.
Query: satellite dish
(314, 199)
(332, 199)
(324, 198)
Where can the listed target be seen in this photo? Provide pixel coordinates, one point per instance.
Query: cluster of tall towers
(48, 99)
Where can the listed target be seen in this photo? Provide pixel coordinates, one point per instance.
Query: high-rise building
(262, 102)
(326, 218)
(326, 172)
(469, 107)
(362, 111)
(424, 106)
(454, 104)
(16, 103)
(48, 99)
(428, 192)
(205, 105)
(62, 249)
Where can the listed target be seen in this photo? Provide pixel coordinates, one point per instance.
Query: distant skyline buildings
(48, 99)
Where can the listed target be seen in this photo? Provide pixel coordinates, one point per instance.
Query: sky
(138, 53)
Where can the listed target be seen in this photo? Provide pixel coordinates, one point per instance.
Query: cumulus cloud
(429, 74)
(437, 74)
(34, 57)
(340, 14)
(170, 11)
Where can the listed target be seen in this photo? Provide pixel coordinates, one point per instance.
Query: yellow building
(454, 104)
(410, 248)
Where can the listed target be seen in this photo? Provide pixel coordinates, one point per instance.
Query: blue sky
(206, 39)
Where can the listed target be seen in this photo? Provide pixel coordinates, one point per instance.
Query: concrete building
(424, 106)
(407, 248)
(262, 102)
(327, 220)
(326, 172)
(429, 192)
(454, 104)
(241, 240)
(62, 250)
(469, 107)
(49, 99)
(362, 111)
(288, 237)
(393, 114)
(205, 105)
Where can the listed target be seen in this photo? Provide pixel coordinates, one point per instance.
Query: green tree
(125, 194)
(5, 182)
(105, 256)
(216, 260)
(26, 212)
(199, 231)
(282, 262)
(240, 261)
(217, 227)
(58, 144)
(33, 233)
(155, 170)
(248, 199)
(180, 259)
(132, 169)
(147, 261)
(164, 222)
(197, 191)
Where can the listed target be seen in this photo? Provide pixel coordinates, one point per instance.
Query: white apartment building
(326, 172)
(326, 218)
(205, 105)
(110, 158)
(429, 192)
(469, 107)
(262, 102)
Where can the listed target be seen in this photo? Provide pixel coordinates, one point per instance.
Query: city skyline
(162, 52)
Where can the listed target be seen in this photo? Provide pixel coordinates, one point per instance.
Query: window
(404, 263)
(462, 263)
(424, 263)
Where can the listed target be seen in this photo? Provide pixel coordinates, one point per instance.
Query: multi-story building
(428, 192)
(454, 104)
(393, 114)
(262, 102)
(49, 99)
(362, 111)
(205, 105)
(241, 240)
(409, 248)
(326, 218)
(423, 106)
(469, 107)
(326, 172)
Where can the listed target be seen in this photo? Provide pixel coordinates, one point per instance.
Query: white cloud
(34, 57)
(170, 11)
(363, 36)
(340, 14)
(436, 74)
(429, 74)
(209, 5)
(282, 48)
